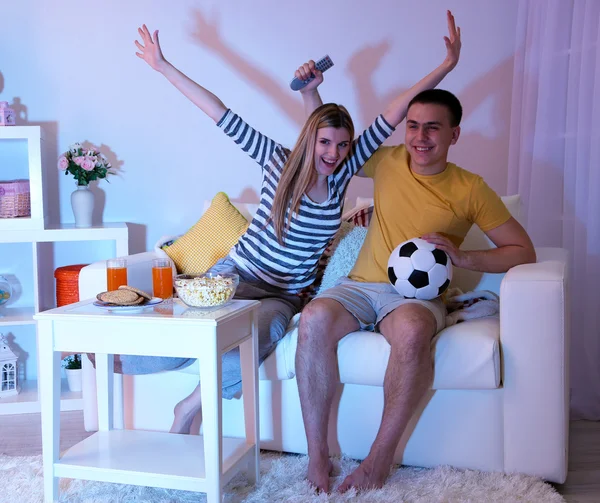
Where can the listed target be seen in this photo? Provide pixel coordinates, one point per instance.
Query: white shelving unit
(35, 231)
(34, 136)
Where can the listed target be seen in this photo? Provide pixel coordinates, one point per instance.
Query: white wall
(72, 65)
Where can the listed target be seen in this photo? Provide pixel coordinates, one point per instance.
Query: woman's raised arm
(151, 53)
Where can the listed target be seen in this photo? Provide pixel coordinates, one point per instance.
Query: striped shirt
(293, 265)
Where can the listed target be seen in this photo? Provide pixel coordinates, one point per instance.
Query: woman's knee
(274, 316)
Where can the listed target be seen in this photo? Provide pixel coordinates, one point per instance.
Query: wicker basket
(15, 200)
(67, 284)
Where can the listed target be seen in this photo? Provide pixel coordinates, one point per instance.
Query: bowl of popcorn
(206, 291)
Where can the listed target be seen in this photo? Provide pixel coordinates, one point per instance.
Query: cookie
(138, 301)
(141, 293)
(118, 297)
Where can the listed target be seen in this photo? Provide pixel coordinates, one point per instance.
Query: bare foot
(318, 473)
(370, 474)
(185, 413)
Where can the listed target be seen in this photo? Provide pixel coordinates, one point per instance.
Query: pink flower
(88, 164)
(63, 163)
(78, 160)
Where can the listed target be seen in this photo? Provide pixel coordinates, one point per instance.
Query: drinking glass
(116, 273)
(162, 278)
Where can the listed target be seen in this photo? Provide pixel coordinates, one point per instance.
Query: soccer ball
(419, 270)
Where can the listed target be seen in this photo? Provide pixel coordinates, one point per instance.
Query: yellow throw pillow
(210, 238)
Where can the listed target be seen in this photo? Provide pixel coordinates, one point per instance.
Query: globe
(5, 290)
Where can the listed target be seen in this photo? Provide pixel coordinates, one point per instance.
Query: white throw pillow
(350, 240)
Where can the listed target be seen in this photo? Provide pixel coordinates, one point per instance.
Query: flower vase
(82, 202)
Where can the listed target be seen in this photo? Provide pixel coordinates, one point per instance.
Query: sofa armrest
(92, 278)
(534, 333)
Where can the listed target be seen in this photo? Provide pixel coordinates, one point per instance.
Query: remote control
(323, 64)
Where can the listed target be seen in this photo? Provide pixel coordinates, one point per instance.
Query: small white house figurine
(8, 370)
(7, 115)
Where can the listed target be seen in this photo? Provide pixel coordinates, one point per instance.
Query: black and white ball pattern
(419, 270)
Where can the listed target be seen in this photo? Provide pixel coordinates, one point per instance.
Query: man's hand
(457, 256)
(150, 52)
(453, 43)
(303, 72)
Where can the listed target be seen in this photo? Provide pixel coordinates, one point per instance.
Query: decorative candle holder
(7, 114)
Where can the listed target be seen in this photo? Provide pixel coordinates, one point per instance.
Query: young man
(418, 193)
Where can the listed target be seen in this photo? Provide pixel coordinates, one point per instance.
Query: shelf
(129, 457)
(17, 316)
(17, 145)
(21, 133)
(66, 232)
(27, 400)
(34, 135)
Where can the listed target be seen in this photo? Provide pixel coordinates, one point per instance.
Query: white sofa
(499, 400)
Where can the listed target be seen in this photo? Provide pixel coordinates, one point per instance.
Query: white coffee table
(157, 459)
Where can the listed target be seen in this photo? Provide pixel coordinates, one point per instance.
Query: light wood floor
(20, 435)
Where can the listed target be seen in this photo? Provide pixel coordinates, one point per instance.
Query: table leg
(210, 389)
(49, 395)
(249, 361)
(104, 388)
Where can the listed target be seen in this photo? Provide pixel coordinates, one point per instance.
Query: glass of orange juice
(116, 273)
(162, 278)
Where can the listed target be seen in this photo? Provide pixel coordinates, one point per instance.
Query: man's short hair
(441, 97)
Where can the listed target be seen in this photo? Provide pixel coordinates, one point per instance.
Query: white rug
(283, 481)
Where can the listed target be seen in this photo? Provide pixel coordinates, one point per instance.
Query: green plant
(72, 362)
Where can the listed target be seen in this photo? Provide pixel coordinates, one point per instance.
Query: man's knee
(409, 330)
(323, 320)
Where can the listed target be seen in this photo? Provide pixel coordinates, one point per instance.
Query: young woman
(301, 200)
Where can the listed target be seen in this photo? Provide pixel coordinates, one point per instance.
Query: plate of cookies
(126, 299)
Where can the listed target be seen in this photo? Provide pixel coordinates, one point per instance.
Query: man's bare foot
(185, 413)
(370, 474)
(318, 473)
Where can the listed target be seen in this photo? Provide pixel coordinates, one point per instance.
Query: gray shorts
(369, 303)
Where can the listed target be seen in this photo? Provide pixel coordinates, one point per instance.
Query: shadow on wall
(206, 33)
(50, 172)
(484, 155)
(50, 154)
(248, 195)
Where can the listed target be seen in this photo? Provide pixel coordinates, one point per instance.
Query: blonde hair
(299, 172)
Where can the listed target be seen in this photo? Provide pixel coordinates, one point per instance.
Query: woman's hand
(150, 51)
(453, 43)
(457, 256)
(304, 71)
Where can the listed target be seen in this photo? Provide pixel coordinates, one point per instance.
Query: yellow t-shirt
(408, 205)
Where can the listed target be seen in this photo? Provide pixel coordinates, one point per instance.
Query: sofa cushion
(466, 356)
(346, 247)
(209, 239)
